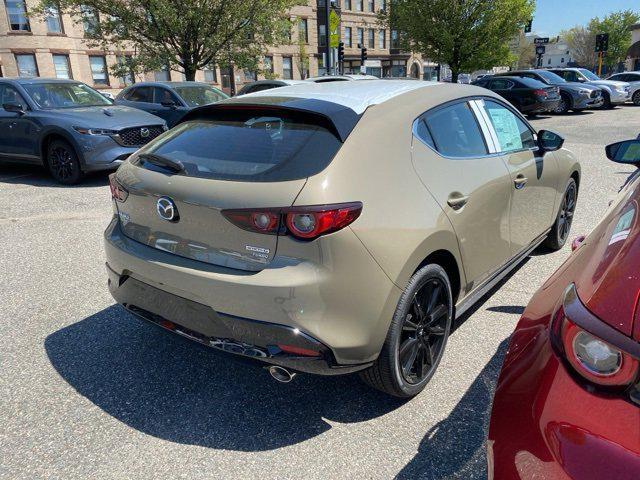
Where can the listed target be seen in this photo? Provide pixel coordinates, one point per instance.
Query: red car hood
(610, 281)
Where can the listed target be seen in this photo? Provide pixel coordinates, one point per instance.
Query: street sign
(334, 29)
(540, 40)
(540, 49)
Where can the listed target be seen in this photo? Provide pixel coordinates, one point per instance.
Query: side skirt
(467, 302)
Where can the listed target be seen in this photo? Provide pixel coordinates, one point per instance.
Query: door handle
(457, 200)
(520, 181)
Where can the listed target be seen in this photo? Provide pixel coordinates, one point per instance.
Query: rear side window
(250, 146)
(8, 94)
(501, 84)
(140, 94)
(455, 131)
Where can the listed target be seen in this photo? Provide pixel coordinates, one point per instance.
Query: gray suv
(614, 92)
(68, 127)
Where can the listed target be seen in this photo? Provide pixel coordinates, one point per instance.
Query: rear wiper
(176, 165)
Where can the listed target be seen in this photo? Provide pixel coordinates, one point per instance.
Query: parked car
(529, 96)
(68, 127)
(464, 78)
(573, 95)
(250, 226)
(108, 95)
(567, 402)
(633, 79)
(348, 77)
(169, 100)
(614, 93)
(261, 85)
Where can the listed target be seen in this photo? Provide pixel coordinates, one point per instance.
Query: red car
(567, 402)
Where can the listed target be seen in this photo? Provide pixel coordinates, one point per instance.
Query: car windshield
(65, 95)
(551, 77)
(590, 75)
(194, 96)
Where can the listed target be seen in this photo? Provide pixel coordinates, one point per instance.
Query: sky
(554, 15)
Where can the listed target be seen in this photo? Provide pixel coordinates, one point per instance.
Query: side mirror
(13, 108)
(549, 141)
(169, 104)
(624, 152)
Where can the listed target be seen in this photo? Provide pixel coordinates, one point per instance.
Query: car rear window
(251, 146)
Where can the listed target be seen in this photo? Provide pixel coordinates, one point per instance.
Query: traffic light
(602, 42)
(527, 27)
(340, 52)
(363, 55)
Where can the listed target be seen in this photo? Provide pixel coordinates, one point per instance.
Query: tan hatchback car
(337, 227)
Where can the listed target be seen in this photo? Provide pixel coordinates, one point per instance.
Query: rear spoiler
(335, 117)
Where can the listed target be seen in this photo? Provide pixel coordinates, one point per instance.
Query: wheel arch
(448, 262)
(58, 134)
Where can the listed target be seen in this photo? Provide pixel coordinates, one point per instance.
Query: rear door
(242, 159)
(534, 174)
(18, 132)
(471, 184)
(139, 97)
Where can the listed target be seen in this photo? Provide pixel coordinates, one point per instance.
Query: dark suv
(573, 96)
(68, 127)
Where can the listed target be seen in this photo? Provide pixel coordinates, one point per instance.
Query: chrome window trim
(477, 105)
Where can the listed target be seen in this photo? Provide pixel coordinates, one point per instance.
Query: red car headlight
(595, 351)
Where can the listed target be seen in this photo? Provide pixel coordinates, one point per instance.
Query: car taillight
(118, 192)
(540, 93)
(592, 358)
(304, 223)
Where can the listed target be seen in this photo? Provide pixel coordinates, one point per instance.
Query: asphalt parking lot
(88, 391)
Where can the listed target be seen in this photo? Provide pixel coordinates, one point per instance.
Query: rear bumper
(241, 336)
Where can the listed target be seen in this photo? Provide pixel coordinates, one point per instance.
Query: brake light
(540, 93)
(118, 192)
(591, 357)
(303, 223)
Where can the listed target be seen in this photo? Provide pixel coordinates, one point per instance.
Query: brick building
(55, 47)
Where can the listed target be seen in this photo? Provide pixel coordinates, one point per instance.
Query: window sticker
(506, 127)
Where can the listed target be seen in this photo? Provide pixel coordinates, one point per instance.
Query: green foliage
(617, 26)
(465, 34)
(186, 35)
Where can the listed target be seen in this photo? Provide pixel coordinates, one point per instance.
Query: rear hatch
(244, 158)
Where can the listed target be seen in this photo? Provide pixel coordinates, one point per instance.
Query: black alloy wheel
(63, 163)
(560, 231)
(636, 98)
(423, 332)
(564, 105)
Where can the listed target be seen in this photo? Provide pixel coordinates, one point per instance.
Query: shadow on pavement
(39, 177)
(455, 447)
(174, 389)
(514, 309)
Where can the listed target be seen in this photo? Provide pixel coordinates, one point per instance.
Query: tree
(465, 34)
(523, 52)
(581, 42)
(617, 25)
(183, 35)
(303, 63)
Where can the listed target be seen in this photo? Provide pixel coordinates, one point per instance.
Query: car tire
(607, 105)
(413, 348)
(565, 104)
(562, 226)
(636, 98)
(63, 163)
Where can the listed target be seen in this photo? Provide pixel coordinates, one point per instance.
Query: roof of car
(36, 80)
(170, 84)
(337, 78)
(357, 96)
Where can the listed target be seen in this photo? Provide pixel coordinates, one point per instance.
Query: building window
(359, 5)
(162, 75)
(210, 74)
(53, 20)
(268, 64)
(395, 39)
(303, 33)
(287, 68)
(562, 60)
(382, 39)
(346, 5)
(250, 76)
(372, 5)
(346, 37)
(549, 62)
(124, 61)
(17, 13)
(322, 35)
(225, 77)
(99, 70)
(383, 5)
(360, 37)
(61, 66)
(89, 20)
(27, 66)
(371, 38)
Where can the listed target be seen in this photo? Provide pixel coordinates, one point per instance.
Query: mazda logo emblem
(167, 209)
(144, 132)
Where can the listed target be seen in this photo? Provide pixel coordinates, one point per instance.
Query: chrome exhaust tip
(281, 374)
